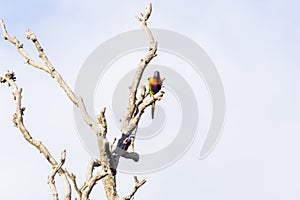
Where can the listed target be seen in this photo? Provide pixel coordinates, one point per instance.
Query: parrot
(155, 84)
(125, 141)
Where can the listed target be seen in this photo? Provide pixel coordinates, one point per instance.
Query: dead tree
(107, 170)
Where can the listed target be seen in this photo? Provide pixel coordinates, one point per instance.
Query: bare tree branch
(20, 49)
(77, 101)
(48, 68)
(89, 172)
(88, 120)
(84, 192)
(51, 70)
(51, 177)
(142, 65)
(40, 50)
(90, 169)
(105, 153)
(138, 184)
(92, 182)
(141, 108)
(18, 121)
(73, 179)
(102, 121)
(143, 94)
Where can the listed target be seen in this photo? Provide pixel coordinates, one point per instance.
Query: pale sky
(254, 45)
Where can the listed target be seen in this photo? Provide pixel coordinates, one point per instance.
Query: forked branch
(140, 70)
(10, 78)
(51, 177)
(137, 185)
(49, 68)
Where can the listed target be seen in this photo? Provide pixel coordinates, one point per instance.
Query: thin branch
(138, 184)
(89, 171)
(19, 47)
(102, 121)
(51, 177)
(73, 179)
(140, 110)
(90, 185)
(87, 118)
(31, 36)
(139, 73)
(143, 94)
(51, 70)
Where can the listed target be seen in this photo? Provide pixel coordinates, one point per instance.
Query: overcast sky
(255, 47)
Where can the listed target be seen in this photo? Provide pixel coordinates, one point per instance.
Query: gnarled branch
(10, 78)
(140, 70)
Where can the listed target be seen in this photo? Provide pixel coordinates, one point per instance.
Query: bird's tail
(153, 108)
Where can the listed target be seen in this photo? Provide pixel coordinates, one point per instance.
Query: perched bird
(155, 84)
(125, 141)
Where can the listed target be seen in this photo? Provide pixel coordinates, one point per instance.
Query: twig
(73, 179)
(51, 177)
(141, 108)
(138, 184)
(91, 183)
(19, 47)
